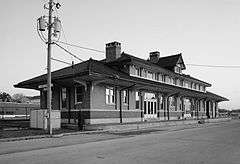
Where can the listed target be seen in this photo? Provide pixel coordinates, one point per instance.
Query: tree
(19, 98)
(5, 97)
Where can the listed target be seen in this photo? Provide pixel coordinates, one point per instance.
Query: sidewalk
(110, 127)
(81, 138)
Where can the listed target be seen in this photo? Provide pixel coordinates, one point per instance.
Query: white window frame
(76, 100)
(110, 95)
(137, 98)
(61, 98)
(125, 97)
(138, 72)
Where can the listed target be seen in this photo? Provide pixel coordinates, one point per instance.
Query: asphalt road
(218, 144)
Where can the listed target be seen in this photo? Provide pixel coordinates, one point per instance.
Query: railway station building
(123, 88)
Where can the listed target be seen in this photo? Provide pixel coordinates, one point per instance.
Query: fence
(9, 110)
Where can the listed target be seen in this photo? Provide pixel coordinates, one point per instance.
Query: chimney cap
(113, 44)
(154, 53)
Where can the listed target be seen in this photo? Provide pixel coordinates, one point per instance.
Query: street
(213, 144)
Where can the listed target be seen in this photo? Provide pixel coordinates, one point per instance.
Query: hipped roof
(105, 70)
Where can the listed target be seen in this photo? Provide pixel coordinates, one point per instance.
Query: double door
(150, 105)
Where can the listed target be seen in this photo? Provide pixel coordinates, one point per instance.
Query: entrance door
(208, 109)
(150, 105)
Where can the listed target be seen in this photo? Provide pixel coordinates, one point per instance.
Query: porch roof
(92, 70)
(87, 68)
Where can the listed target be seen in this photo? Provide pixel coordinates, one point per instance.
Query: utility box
(39, 119)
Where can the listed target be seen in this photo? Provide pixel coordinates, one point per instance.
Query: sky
(205, 32)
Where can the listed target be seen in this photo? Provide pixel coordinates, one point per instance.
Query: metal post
(49, 94)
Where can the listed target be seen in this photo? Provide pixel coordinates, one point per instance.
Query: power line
(68, 51)
(86, 48)
(61, 61)
(214, 66)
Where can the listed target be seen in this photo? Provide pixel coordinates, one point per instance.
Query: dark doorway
(207, 109)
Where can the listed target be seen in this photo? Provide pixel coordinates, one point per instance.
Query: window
(79, 94)
(177, 69)
(197, 86)
(174, 81)
(172, 101)
(157, 76)
(171, 80)
(161, 103)
(125, 96)
(187, 84)
(192, 84)
(181, 83)
(137, 100)
(110, 96)
(150, 75)
(177, 82)
(204, 89)
(163, 78)
(145, 73)
(132, 70)
(64, 98)
(138, 72)
(167, 79)
(160, 77)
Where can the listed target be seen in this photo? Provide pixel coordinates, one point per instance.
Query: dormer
(174, 63)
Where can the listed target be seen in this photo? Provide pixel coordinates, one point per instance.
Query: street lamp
(49, 30)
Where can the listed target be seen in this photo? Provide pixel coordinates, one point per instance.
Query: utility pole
(49, 92)
(53, 27)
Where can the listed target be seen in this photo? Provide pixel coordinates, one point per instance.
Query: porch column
(142, 104)
(158, 104)
(213, 109)
(192, 108)
(216, 109)
(182, 107)
(198, 107)
(210, 109)
(178, 104)
(165, 107)
(205, 107)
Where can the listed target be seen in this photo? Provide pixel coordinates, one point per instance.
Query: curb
(50, 136)
(97, 131)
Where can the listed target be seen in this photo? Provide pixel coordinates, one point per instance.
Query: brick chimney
(154, 56)
(113, 51)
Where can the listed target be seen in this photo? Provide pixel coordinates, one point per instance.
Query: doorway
(150, 106)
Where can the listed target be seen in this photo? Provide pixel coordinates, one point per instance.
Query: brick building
(124, 88)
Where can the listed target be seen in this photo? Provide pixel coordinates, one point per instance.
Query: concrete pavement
(218, 143)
